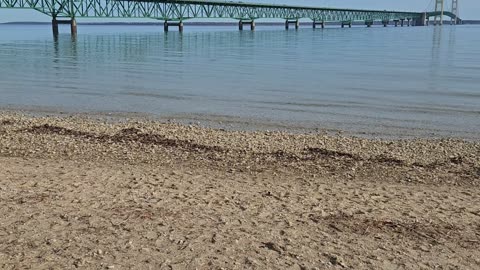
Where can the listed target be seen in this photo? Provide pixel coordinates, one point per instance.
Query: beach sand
(88, 193)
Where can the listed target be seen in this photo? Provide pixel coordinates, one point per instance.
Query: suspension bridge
(175, 12)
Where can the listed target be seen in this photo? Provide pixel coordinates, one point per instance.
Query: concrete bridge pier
(288, 22)
(167, 24)
(422, 21)
(250, 22)
(396, 22)
(72, 22)
(55, 26)
(349, 23)
(385, 23)
(402, 21)
(73, 27)
(315, 23)
(408, 21)
(369, 23)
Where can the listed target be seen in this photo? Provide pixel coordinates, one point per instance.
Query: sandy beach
(92, 193)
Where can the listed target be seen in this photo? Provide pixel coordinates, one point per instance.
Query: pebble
(237, 152)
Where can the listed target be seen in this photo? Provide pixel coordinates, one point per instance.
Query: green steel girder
(182, 10)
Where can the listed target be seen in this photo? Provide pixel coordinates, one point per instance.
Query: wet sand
(79, 192)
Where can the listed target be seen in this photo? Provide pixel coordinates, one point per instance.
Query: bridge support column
(166, 25)
(385, 23)
(315, 23)
(73, 27)
(402, 21)
(422, 21)
(369, 23)
(250, 22)
(396, 23)
(349, 23)
(72, 22)
(55, 26)
(408, 22)
(288, 22)
(180, 26)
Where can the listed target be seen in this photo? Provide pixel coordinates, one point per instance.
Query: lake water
(400, 82)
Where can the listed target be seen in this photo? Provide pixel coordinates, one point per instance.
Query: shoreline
(224, 148)
(86, 192)
(247, 124)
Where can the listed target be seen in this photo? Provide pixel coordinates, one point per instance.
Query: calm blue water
(410, 81)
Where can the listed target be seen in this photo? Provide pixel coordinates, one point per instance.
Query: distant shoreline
(471, 22)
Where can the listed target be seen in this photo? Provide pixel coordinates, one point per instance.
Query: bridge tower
(439, 7)
(454, 11)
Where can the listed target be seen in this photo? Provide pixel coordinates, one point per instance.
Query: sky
(469, 9)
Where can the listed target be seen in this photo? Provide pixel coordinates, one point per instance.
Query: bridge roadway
(175, 12)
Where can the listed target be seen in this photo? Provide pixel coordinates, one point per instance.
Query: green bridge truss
(185, 9)
(174, 12)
